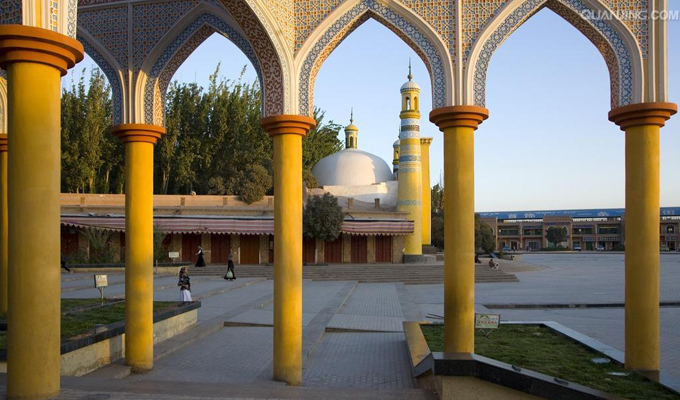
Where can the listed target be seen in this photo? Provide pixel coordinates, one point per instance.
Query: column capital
(425, 141)
(642, 114)
(3, 142)
(287, 124)
(20, 43)
(138, 133)
(458, 116)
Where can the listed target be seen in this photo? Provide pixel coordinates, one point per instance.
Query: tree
(483, 236)
(321, 141)
(309, 180)
(556, 235)
(322, 217)
(90, 155)
(437, 226)
(158, 244)
(437, 198)
(100, 248)
(254, 184)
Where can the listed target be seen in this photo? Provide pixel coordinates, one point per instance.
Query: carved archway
(399, 19)
(613, 39)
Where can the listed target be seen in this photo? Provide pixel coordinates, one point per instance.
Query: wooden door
(332, 251)
(190, 243)
(250, 249)
(69, 241)
(383, 249)
(219, 253)
(308, 250)
(359, 250)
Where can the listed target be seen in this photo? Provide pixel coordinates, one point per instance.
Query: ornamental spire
(409, 69)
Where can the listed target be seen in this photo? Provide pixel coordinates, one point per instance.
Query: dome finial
(351, 116)
(409, 69)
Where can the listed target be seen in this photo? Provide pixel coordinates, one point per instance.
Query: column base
(414, 259)
(429, 249)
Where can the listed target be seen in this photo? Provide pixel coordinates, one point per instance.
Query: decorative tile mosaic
(349, 21)
(441, 15)
(631, 12)
(308, 15)
(53, 15)
(272, 69)
(151, 21)
(574, 11)
(284, 12)
(71, 29)
(178, 51)
(476, 14)
(111, 75)
(110, 27)
(10, 12)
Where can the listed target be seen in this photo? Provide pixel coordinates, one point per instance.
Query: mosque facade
(383, 209)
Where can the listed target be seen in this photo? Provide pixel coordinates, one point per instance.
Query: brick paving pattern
(343, 360)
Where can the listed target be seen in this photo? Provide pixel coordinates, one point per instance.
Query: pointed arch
(185, 36)
(111, 68)
(613, 39)
(406, 24)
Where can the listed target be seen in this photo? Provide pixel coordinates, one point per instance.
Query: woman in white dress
(184, 285)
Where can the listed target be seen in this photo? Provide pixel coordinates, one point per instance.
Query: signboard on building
(173, 254)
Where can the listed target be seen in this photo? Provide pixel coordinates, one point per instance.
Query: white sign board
(487, 321)
(173, 254)
(100, 281)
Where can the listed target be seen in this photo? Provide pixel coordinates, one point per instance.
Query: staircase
(410, 274)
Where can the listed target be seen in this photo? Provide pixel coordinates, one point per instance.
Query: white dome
(396, 143)
(351, 167)
(409, 85)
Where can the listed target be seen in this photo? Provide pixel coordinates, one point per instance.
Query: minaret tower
(351, 133)
(410, 174)
(395, 158)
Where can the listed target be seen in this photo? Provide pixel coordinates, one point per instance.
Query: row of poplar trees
(214, 143)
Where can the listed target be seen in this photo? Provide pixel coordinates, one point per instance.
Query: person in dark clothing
(63, 264)
(230, 276)
(200, 262)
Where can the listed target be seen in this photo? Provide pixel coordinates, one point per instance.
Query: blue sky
(547, 144)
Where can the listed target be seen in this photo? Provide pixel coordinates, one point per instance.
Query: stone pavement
(352, 331)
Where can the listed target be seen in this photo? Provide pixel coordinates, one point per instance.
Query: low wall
(86, 354)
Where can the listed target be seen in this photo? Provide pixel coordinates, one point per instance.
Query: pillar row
(35, 59)
(139, 140)
(287, 132)
(458, 123)
(642, 124)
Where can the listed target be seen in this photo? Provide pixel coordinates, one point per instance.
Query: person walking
(200, 262)
(230, 276)
(184, 285)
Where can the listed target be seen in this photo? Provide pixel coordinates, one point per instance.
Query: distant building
(603, 229)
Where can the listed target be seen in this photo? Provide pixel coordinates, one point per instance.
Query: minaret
(351, 133)
(395, 158)
(410, 174)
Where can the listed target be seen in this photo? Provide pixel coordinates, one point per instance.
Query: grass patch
(75, 323)
(543, 350)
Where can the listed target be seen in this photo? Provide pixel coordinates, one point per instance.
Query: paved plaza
(353, 332)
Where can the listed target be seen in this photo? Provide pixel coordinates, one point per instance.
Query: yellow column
(35, 59)
(642, 124)
(4, 245)
(287, 132)
(427, 192)
(410, 193)
(458, 123)
(139, 140)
